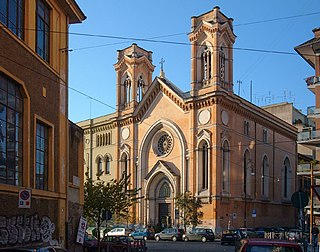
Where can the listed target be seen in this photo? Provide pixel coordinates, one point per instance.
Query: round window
(165, 144)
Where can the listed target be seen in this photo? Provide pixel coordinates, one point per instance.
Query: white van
(119, 232)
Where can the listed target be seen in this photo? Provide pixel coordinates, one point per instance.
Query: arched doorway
(162, 184)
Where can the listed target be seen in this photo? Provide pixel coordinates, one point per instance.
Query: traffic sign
(24, 198)
(106, 215)
(254, 213)
(300, 199)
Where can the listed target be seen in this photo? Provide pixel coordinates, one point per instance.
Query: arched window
(203, 165)
(140, 89)
(246, 173)
(265, 177)
(99, 166)
(286, 178)
(109, 138)
(206, 64)
(104, 139)
(225, 166)
(127, 88)
(108, 170)
(165, 191)
(124, 165)
(222, 58)
(97, 140)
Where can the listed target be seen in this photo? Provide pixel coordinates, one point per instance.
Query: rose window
(165, 144)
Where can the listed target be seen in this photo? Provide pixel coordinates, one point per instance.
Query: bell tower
(134, 76)
(212, 40)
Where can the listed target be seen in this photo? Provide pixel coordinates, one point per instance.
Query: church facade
(237, 158)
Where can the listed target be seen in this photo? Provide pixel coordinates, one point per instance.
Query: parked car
(143, 233)
(34, 249)
(173, 234)
(261, 231)
(268, 245)
(295, 235)
(249, 232)
(119, 232)
(122, 243)
(199, 234)
(231, 236)
(90, 243)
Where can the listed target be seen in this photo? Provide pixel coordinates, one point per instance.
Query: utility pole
(311, 204)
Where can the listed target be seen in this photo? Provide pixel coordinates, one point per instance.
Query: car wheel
(203, 239)
(222, 243)
(174, 238)
(157, 238)
(186, 239)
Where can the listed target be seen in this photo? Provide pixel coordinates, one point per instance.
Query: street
(170, 246)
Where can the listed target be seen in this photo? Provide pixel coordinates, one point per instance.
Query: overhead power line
(153, 39)
(278, 19)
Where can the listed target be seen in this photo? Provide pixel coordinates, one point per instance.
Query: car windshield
(229, 232)
(253, 248)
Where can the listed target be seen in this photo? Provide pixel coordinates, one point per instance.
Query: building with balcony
(41, 177)
(310, 52)
(234, 156)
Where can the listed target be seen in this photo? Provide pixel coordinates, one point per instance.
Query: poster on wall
(24, 198)
(81, 230)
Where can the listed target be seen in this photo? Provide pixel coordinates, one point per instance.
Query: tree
(113, 196)
(189, 207)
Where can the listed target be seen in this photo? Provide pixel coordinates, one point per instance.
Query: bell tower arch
(212, 40)
(134, 76)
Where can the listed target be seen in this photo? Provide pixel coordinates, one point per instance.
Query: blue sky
(276, 77)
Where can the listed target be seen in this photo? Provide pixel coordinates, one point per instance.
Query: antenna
(239, 82)
(251, 91)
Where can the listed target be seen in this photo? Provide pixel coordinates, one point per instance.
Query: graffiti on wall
(26, 229)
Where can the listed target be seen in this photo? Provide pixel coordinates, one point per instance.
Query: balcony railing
(309, 135)
(313, 112)
(307, 168)
(312, 80)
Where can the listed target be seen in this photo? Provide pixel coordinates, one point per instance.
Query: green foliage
(189, 207)
(114, 196)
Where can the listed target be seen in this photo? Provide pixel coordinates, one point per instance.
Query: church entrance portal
(165, 214)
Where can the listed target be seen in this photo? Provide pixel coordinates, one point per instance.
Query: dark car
(199, 234)
(90, 243)
(249, 232)
(173, 234)
(34, 249)
(231, 236)
(143, 233)
(122, 243)
(268, 245)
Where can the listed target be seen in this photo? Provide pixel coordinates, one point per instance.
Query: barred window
(12, 15)
(42, 156)
(11, 112)
(43, 30)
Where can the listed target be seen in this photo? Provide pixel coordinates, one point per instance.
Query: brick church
(237, 158)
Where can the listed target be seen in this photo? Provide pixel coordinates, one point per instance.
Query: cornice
(134, 61)
(204, 27)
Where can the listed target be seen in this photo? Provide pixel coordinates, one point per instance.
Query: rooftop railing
(309, 135)
(312, 80)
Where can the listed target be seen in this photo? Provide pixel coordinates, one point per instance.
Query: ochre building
(237, 158)
(41, 187)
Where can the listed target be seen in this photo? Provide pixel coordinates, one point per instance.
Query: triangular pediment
(162, 166)
(164, 87)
